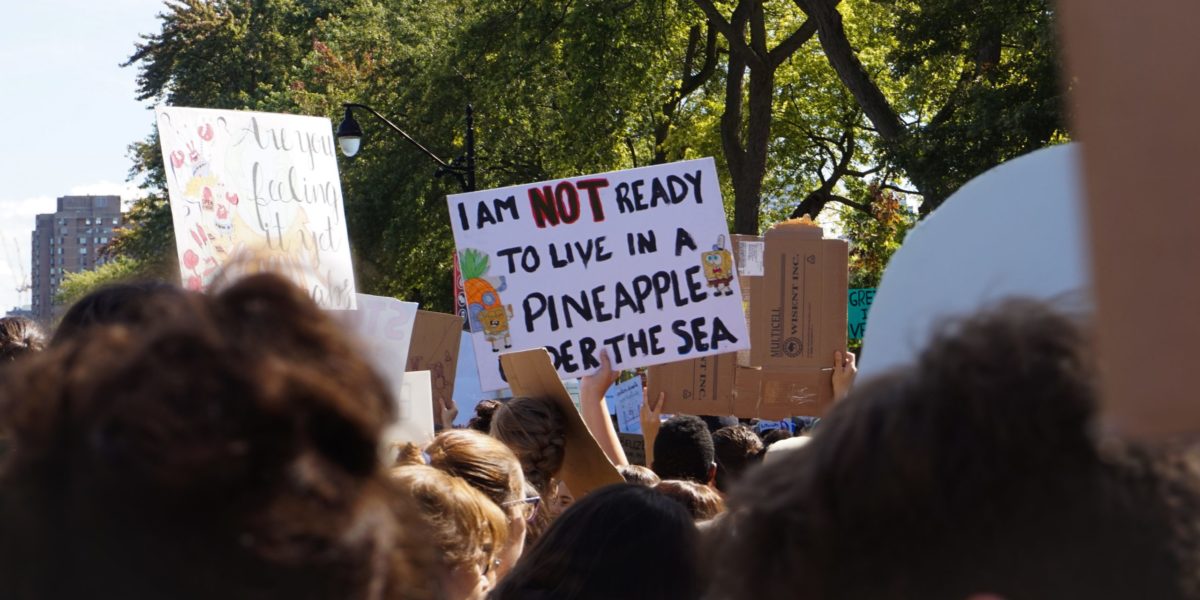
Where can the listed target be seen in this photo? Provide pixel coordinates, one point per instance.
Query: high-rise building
(68, 241)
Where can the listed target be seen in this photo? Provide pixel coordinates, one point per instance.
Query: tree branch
(850, 70)
(788, 47)
(734, 30)
(888, 186)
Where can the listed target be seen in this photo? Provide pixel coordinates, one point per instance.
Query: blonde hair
(535, 430)
(480, 460)
(465, 525)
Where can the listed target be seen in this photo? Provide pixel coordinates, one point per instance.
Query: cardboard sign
(414, 422)
(634, 446)
(637, 263)
(259, 191)
(1134, 109)
(859, 304)
(626, 400)
(585, 467)
(979, 247)
(434, 348)
(702, 386)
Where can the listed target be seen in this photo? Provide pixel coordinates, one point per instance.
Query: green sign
(859, 304)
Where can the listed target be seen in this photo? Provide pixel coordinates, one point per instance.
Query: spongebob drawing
(495, 326)
(718, 268)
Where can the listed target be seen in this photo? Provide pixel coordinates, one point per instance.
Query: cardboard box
(798, 320)
(748, 252)
(434, 348)
(701, 386)
(776, 394)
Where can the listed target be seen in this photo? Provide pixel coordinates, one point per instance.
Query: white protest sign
(415, 419)
(384, 328)
(638, 263)
(467, 392)
(626, 400)
(261, 191)
(1016, 230)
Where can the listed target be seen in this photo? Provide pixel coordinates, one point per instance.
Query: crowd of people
(165, 443)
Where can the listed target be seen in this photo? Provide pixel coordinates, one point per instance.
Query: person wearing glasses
(465, 527)
(490, 467)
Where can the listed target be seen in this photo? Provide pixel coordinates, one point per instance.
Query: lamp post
(349, 137)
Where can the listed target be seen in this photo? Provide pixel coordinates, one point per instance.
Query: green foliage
(77, 285)
(566, 88)
(875, 236)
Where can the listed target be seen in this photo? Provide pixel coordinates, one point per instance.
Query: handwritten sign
(626, 400)
(259, 191)
(637, 263)
(860, 300)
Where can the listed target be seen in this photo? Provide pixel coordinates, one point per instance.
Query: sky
(71, 110)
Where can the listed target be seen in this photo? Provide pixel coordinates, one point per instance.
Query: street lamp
(349, 137)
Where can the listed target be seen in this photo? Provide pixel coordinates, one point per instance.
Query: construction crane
(16, 268)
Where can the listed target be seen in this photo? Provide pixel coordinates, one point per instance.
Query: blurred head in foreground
(971, 473)
(224, 447)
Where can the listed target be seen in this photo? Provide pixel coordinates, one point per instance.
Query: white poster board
(415, 418)
(625, 398)
(260, 192)
(638, 263)
(1016, 230)
(384, 328)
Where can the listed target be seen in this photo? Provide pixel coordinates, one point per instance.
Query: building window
(83, 250)
(88, 222)
(116, 221)
(103, 240)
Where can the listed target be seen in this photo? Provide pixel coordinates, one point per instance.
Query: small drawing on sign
(718, 268)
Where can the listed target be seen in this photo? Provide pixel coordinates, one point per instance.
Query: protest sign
(701, 386)
(980, 247)
(384, 328)
(585, 467)
(414, 420)
(436, 338)
(637, 263)
(859, 304)
(634, 446)
(625, 398)
(259, 191)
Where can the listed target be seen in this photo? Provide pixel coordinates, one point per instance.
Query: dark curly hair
(481, 421)
(736, 448)
(226, 447)
(975, 470)
(684, 450)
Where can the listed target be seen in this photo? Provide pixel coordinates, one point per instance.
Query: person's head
(128, 303)
(775, 435)
(736, 448)
(621, 541)
(482, 419)
(19, 336)
(684, 450)
(638, 475)
(535, 430)
(490, 467)
(702, 502)
(716, 423)
(464, 526)
(972, 471)
(228, 448)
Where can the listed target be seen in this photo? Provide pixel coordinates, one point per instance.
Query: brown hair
(482, 419)
(736, 448)
(465, 526)
(702, 502)
(19, 336)
(639, 475)
(973, 470)
(480, 460)
(535, 430)
(225, 447)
